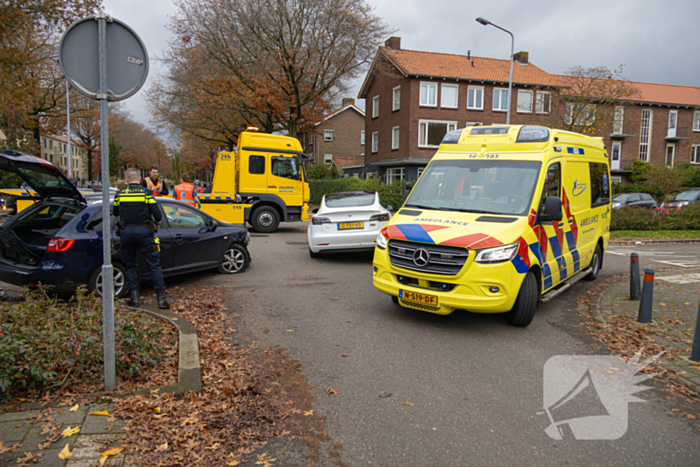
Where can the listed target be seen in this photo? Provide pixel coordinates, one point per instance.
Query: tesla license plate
(418, 297)
(351, 225)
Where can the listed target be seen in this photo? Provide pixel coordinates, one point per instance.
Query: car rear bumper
(322, 241)
(16, 274)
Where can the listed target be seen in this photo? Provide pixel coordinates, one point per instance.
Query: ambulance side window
(552, 184)
(256, 165)
(600, 186)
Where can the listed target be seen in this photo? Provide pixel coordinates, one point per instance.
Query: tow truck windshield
(478, 186)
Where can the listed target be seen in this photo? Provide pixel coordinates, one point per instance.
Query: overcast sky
(655, 40)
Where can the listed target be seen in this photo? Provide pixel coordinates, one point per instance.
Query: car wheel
(595, 264)
(119, 273)
(524, 309)
(234, 260)
(265, 219)
(314, 255)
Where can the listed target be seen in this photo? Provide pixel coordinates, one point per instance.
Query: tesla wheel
(314, 255)
(524, 309)
(119, 274)
(265, 219)
(595, 264)
(234, 260)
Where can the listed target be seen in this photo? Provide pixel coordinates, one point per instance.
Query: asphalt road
(474, 383)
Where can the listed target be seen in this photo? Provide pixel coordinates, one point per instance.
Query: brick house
(339, 138)
(414, 98)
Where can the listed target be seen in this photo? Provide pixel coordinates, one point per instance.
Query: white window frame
(619, 121)
(396, 98)
(645, 136)
(375, 142)
(420, 171)
(696, 120)
(616, 178)
(328, 159)
(672, 131)
(449, 124)
(673, 155)
(328, 135)
(524, 111)
(375, 107)
(395, 173)
(539, 99)
(427, 85)
(695, 154)
(395, 134)
(476, 106)
(362, 137)
(497, 108)
(442, 90)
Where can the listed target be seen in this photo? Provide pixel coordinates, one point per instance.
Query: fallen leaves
(65, 453)
(344, 355)
(265, 460)
(291, 330)
(386, 394)
(332, 392)
(408, 403)
(71, 431)
(102, 413)
(106, 454)
(74, 408)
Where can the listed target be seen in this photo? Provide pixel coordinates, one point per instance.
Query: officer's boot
(162, 301)
(134, 299)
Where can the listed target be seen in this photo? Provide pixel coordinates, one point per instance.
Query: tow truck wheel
(524, 309)
(595, 265)
(265, 219)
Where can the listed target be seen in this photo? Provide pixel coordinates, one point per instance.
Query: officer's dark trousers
(133, 240)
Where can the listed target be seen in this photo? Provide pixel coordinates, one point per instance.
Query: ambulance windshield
(481, 186)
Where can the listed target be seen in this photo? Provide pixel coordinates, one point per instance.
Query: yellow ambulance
(503, 218)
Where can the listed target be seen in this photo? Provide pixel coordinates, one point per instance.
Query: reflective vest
(185, 193)
(152, 187)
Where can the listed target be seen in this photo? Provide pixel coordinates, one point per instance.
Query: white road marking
(681, 278)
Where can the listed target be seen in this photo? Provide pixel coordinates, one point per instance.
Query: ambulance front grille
(419, 306)
(446, 260)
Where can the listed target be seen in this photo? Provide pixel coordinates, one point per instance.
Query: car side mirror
(214, 225)
(314, 211)
(552, 209)
(389, 207)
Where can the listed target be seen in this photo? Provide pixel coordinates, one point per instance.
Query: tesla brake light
(320, 220)
(379, 217)
(59, 244)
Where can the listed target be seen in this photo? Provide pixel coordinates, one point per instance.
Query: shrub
(654, 191)
(321, 172)
(388, 194)
(634, 218)
(46, 344)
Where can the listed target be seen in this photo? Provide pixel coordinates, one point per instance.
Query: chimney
(348, 100)
(394, 43)
(521, 57)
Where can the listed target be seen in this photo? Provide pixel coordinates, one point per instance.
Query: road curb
(650, 242)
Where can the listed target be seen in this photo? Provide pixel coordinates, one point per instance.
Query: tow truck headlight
(497, 254)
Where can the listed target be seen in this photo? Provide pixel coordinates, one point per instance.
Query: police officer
(186, 192)
(155, 184)
(135, 206)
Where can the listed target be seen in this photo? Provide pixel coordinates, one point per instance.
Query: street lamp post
(486, 22)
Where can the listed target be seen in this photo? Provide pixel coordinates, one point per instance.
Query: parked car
(683, 199)
(623, 200)
(345, 222)
(58, 240)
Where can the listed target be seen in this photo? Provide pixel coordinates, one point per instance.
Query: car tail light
(320, 220)
(59, 244)
(379, 217)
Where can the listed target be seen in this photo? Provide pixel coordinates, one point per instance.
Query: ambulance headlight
(498, 254)
(381, 242)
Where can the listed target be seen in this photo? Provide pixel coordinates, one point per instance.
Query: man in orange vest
(155, 184)
(186, 192)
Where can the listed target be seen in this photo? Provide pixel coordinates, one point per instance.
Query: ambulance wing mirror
(552, 209)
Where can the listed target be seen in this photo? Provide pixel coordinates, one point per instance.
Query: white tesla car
(346, 221)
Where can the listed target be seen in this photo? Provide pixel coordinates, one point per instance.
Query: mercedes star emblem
(421, 257)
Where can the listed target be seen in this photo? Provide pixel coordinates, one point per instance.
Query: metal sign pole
(70, 155)
(107, 270)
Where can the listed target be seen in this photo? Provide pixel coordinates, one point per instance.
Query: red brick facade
(344, 126)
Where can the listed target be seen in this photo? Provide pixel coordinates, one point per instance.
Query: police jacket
(148, 183)
(135, 205)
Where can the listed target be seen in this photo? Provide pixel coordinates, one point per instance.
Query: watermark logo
(586, 396)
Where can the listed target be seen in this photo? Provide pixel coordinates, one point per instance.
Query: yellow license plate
(351, 225)
(418, 297)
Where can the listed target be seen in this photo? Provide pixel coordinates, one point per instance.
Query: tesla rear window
(342, 200)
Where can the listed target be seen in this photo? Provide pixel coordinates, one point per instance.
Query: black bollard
(647, 297)
(695, 354)
(635, 289)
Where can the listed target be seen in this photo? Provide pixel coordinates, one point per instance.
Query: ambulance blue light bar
(452, 137)
(533, 134)
(489, 130)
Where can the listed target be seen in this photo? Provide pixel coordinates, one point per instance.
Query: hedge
(656, 192)
(389, 195)
(636, 218)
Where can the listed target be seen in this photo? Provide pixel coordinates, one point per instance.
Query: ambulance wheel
(119, 276)
(595, 264)
(524, 309)
(265, 219)
(234, 260)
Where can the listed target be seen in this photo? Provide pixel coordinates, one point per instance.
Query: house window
(45, 138)
(394, 175)
(375, 107)
(375, 141)
(616, 179)
(328, 135)
(362, 137)
(543, 103)
(696, 121)
(585, 114)
(50, 144)
(328, 159)
(500, 99)
(51, 157)
(672, 123)
(428, 94)
(695, 154)
(356, 175)
(396, 98)
(395, 138)
(448, 96)
(618, 126)
(430, 133)
(670, 152)
(420, 171)
(475, 123)
(475, 97)
(524, 101)
(645, 135)
(312, 137)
